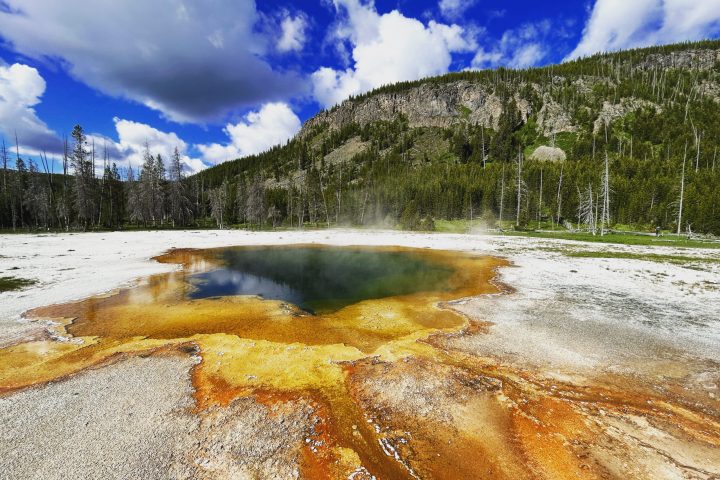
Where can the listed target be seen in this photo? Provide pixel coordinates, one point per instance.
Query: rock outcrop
(548, 154)
(612, 111)
(553, 118)
(427, 105)
(701, 59)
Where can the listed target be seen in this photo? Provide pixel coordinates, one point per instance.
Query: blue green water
(319, 279)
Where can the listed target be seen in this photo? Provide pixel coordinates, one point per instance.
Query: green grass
(452, 226)
(13, 283)
(628, 238)
(464, 111)
(622, 238)
(649, 257)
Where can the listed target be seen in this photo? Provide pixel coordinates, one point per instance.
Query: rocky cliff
(428, 105)
(552, 103)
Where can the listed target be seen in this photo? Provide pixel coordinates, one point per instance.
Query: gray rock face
(585, 85)
(428, 105)
(710, 90)
(612, 111)
(702, 59)
(552, 118)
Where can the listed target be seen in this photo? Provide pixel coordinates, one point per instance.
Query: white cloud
(618, 24)
(134, 136)
(272, 125)
(192, 60)
(523, 47)
(454, 9)
(293, 33)
(528, 55)
(21, 89)
(385, 49)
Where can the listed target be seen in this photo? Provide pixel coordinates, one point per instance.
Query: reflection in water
(224, 282)
(319, 280)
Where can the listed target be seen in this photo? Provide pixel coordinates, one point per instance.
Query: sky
(223, 79)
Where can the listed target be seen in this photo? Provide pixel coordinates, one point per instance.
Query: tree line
(388, 183)
(92, 193)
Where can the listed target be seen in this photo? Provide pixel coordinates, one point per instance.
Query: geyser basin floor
(447, 406)
(370, 303)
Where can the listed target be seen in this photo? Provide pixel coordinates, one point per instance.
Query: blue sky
(221, 79)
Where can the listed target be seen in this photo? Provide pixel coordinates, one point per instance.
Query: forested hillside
(623, 139)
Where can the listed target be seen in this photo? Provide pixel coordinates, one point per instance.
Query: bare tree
(218, 202)
(146, 187)
(338, 190)
(682, 192)
(36, 199)
(159, 189)
(540, 196)
(152, 197)
(559, 194)
(4, 159)
(364, 204)
(241, 200)
(273, 215)
(502, 194)
(586, 209)
(300, 210)
(134, 197)
(483, 154)
(697, 137)
(255, 205)
(605, 216)
(520, 187)
(324, 199)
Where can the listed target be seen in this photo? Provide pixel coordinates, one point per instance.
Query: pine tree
(148, 189)
(84, 178)
(179, 203)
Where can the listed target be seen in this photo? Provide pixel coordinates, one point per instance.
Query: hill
(464, 144)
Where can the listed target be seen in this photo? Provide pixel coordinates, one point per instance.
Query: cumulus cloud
(21, 89)
(385, 49)
(454, 9)
(273, 124)
(618, 24)
(523, 47)
(293, 33)
(192, 62)
(133, 137)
